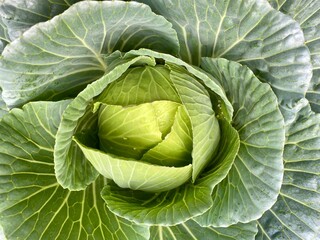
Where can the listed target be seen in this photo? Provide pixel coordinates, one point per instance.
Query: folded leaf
(253, 183)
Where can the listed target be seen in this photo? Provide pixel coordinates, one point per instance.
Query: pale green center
(158, 132)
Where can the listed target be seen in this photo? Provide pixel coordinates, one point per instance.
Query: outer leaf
(57, 58)
(254, 181)
(296, 214)
(73, 170)
(191, 230)
(21, 15)
(307, 14)
(166, 208)
(18, 16)
(32, 204)
(248, 31)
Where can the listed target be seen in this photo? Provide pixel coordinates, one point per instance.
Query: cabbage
(159, 119)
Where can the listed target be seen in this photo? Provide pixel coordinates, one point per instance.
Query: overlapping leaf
(307, 14)
(57, 58)
(296, 214)
(225, 107)
(205, 126)
(191, 230)
(33, 205)
(178, 205)
(245, 31)
(248, 31)
(253, 183)
(146, 208)
(72, 169)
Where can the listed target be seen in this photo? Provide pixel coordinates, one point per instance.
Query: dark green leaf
(21, 15)
(32, 204)
(296, 214)
(253, 183)
(307, 14)
(58, 58)
(192, 231)
(165, 208)
(247, 31)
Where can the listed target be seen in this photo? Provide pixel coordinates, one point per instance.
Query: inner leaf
(140, 85)
(131, 131)
(176, 148)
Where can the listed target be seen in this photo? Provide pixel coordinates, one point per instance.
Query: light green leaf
(58, 58)
(191, 230)
(135, 174)
(307, 14)
(32, 204)
(205, 126)
(166, 208)
(73, 170)
(222, 162)
(140, 85)
(3, 106)
(296, 214)
(253, 183)
(247, 31)
(176, 147)
(129, 131)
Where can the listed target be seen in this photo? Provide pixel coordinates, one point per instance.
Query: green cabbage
(159, 119)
